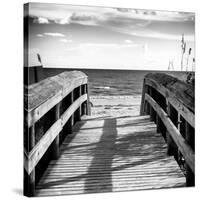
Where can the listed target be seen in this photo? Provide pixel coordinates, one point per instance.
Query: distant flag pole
(183, 47)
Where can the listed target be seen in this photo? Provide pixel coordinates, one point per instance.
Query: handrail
(40, 148)
(170, 103)
(41, 97)
(179, 94)
(185, 149)
(48, 96)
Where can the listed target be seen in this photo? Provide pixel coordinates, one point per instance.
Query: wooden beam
(185, 149)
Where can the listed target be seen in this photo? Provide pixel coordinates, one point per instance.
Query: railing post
(171, 146)
(142, 106)
(77, 114)
(158, 124)
(152, 112)
(84, 105)
(146, 106)
(55, 143)
(88, 111)
(190, 178)
(71, 119)
(79, 109)
(29, 187)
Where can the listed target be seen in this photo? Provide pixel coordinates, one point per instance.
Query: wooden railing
(52, 107)
(170, 104)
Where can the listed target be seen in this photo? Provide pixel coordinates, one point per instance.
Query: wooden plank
(126, 157)
(175, 134)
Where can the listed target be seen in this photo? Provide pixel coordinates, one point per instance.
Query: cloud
(65, 40)
(135, 22)
(41, 20)
(54, 34)
(79, 18)
(124, 9)
(128, 41)
(40, 35)
(64, 20)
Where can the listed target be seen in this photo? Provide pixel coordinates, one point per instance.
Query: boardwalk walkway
(111, 154)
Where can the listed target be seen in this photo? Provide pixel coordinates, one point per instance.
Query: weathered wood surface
(31, 160)
(185, 149)
(41, 97)
(178, 93)
(111, 154)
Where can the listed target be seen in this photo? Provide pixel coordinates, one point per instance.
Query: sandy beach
(115, 105)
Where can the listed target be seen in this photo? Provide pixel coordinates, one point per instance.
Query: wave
(103, 87)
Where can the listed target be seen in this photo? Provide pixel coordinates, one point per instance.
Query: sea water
(114, 82)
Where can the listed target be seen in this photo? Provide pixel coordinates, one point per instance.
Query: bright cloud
(54, 34)
(41, 20)
(40, 35)
(65, 40)
(128, 41)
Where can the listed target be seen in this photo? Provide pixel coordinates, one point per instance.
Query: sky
(109, 38)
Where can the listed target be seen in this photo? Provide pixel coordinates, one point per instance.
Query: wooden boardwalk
(108, 154)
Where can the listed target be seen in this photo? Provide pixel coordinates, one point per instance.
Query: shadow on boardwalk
(113, 149)
(104, 182)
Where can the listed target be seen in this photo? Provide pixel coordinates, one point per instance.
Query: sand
(115, 105)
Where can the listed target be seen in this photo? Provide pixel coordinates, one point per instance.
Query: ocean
(114, 82)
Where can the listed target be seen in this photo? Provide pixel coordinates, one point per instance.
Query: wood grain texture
(40, 148)
(178, 93)
(111, 154)
(40, 97)
(185, 149)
